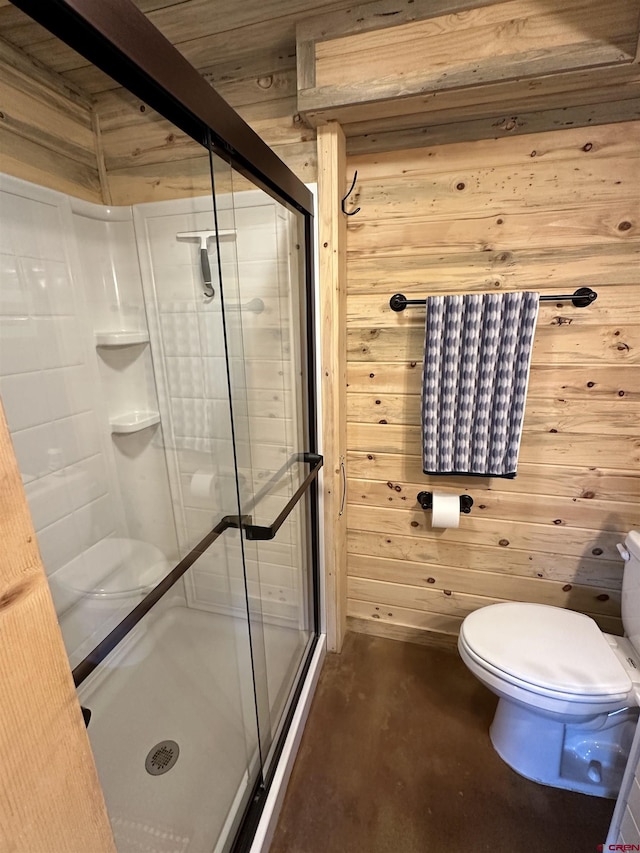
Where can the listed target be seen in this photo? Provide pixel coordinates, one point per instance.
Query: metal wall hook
(351, 188)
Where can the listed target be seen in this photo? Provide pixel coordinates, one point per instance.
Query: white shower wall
(61, 260)
(110, 273)
(71, 269)
(187, 331)
(48, 378)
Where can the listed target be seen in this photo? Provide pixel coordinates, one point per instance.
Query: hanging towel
(477, 357)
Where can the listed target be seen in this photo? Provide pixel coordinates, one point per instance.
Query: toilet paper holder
(425, 499)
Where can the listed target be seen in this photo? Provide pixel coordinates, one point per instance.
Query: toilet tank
(631, 589)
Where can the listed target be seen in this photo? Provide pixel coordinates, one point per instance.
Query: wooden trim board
(332, 239)
(50, 797)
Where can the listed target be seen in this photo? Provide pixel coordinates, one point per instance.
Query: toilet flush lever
(626, 556)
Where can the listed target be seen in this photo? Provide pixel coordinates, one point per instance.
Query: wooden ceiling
(247, 51)
(232, 43)
(229, 37)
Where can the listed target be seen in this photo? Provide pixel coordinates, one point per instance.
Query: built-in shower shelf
(133, 422)
(121, 338)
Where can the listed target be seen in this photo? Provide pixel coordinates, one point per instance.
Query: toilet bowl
(568, 703)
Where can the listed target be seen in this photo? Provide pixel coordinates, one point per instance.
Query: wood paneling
(533, 212)
(449, 45)
(381, 66)
(497, 120)
(448, 602)
(417, 626)
(50, 797)
(46, 130)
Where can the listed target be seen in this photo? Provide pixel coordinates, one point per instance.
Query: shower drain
(162, 757)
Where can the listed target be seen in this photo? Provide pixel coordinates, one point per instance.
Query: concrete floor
(396, 758)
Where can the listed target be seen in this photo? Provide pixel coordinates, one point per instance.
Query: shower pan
(157, 372)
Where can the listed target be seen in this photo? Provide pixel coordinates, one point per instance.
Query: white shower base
(179, 678)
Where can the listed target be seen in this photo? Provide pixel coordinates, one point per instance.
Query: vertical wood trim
(105, 189)
(50, 797)
(332, 230)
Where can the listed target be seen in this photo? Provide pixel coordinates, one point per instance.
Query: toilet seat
(546, 650)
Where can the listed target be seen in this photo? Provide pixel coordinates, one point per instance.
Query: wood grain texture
(443, 602)
(497, 30)
(332, 240)
(600, 382)
(410, 131)
(505, 586)
(408, 626)
(46, 132)
(562, 511)
(431, 222)
(246, 52)
(585, 570)
(50, 797)
(587, 481)
(249, 55)
(496, 100)
(395, 71)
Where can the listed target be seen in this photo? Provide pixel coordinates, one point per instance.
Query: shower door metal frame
(118, 39)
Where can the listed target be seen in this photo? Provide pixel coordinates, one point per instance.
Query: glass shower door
(266, 314)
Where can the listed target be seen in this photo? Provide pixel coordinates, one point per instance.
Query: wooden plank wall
(551, 212)
(46, 128)
(249, 55)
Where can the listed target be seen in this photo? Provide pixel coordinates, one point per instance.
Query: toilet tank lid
(547, 647)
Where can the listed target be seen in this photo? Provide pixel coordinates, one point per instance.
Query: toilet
(568, 693)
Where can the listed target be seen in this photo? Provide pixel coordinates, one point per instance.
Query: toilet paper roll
(445, 510)
(203, 485)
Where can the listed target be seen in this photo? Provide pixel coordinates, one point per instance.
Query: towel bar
(581, 298)
(425, 499)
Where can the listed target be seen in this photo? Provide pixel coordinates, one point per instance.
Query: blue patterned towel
(477, 357)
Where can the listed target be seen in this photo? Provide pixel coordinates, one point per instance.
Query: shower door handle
(256, 533)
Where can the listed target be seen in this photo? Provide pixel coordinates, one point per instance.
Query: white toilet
(569, 693)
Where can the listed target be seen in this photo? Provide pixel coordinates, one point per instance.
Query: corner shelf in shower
(129, 422)
(121, 338)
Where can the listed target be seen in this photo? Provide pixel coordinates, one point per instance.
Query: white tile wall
(110, 272)
(47, 382)
(66, 271)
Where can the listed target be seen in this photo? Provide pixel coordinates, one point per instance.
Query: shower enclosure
(157, 373)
